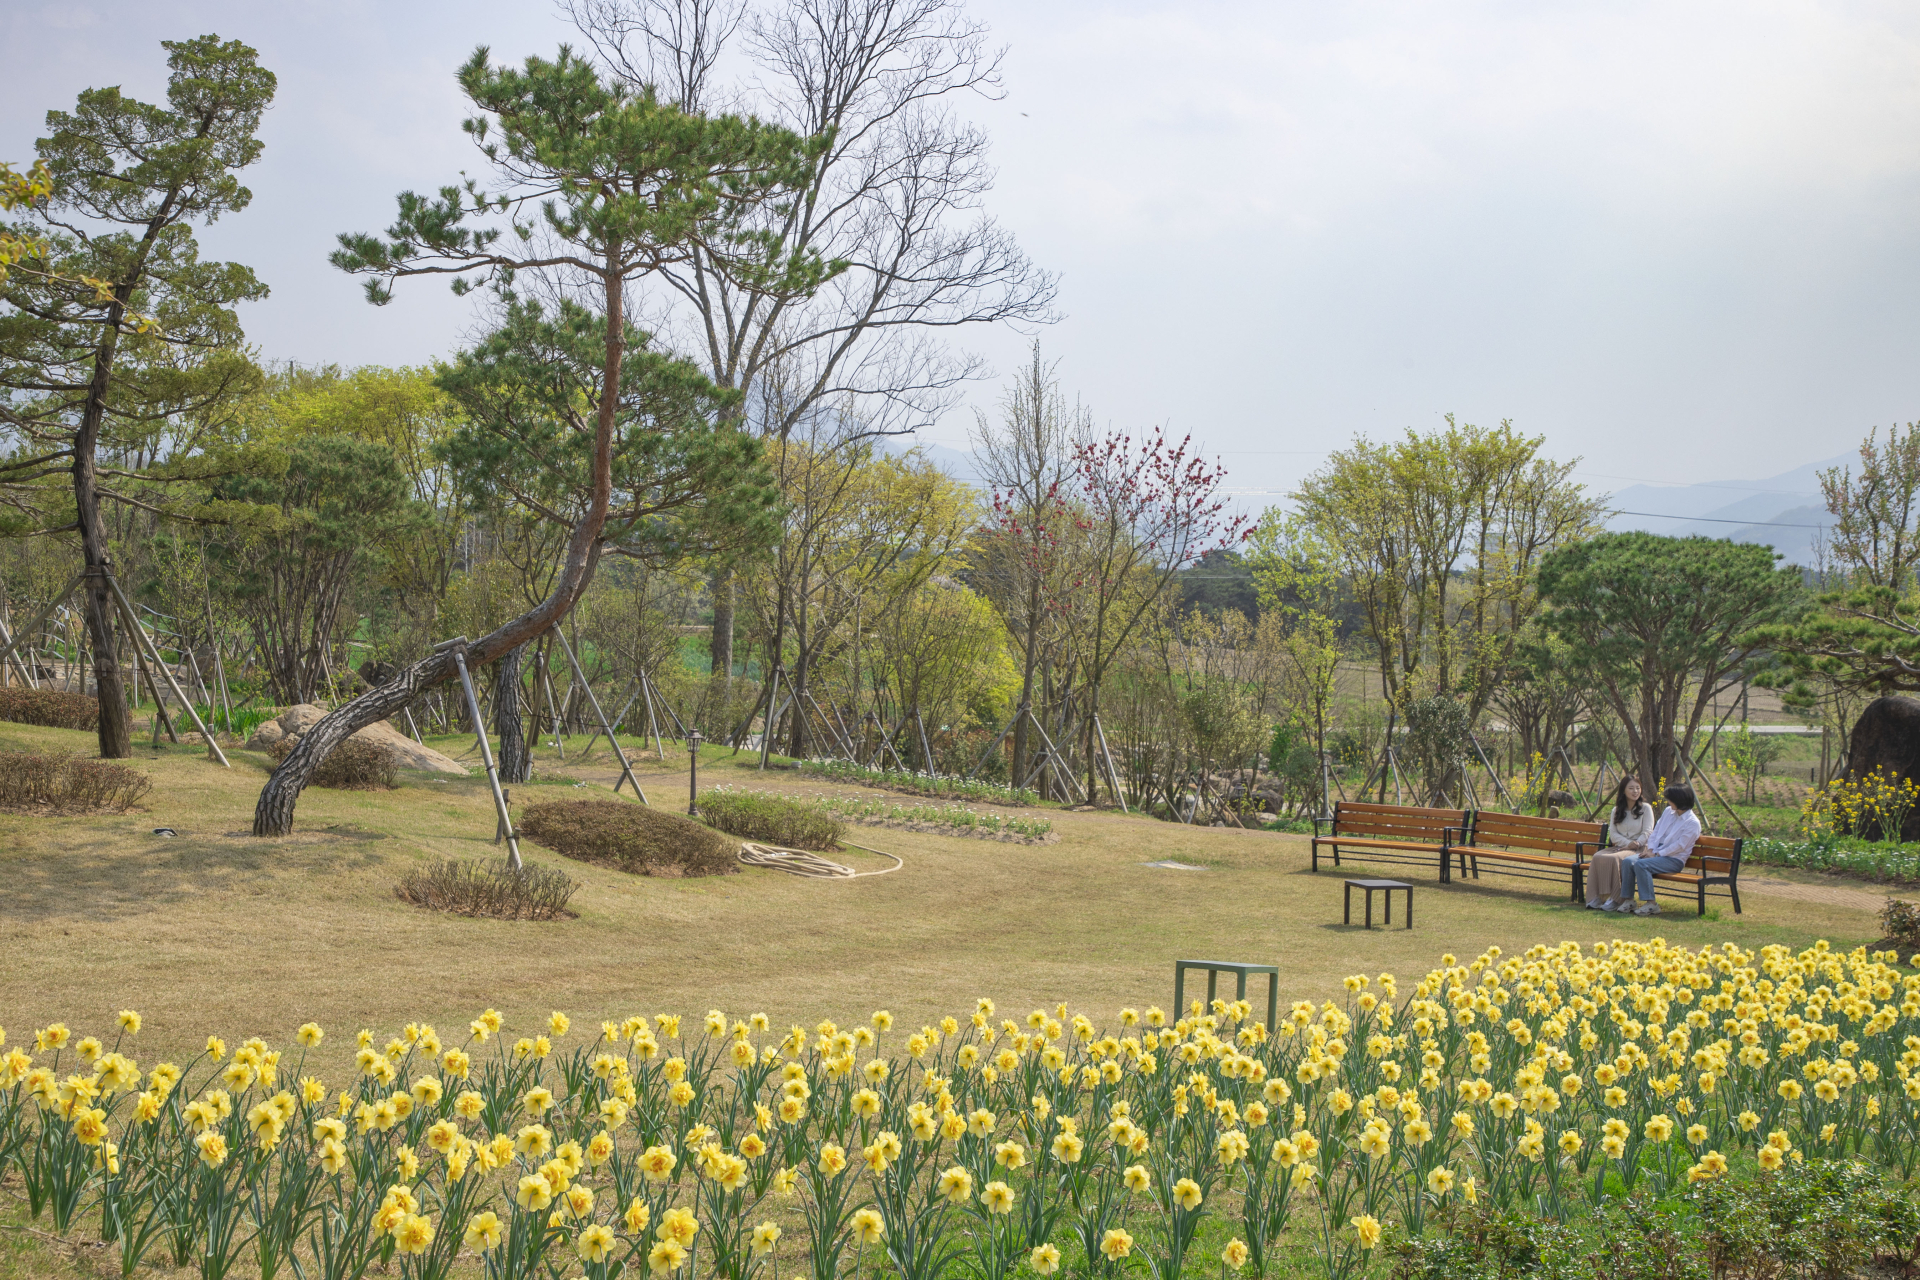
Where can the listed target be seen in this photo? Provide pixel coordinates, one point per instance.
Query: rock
(1886, 738)
(407, 753)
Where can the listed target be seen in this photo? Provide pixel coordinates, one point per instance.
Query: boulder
(407, 753)
(1886, 738)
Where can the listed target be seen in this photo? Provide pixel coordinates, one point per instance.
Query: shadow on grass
(130, 871)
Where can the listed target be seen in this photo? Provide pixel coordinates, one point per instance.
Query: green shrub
(50, 708)
(60, 781)
(771, 820)
(354, 765)
(490, 888)
(630, 837)
(1901, 920)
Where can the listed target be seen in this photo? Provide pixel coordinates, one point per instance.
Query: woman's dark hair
(1680, 796)
(1620, 799)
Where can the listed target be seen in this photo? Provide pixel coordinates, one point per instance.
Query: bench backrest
(1394, 821)
(1715, 856)
(1557, 836)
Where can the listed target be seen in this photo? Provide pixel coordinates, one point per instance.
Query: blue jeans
(1644, 869)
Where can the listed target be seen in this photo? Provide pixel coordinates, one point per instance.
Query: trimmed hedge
(50, 708)
(630, 837)
(772, 820)
(354, 765)
(490, 888)
(61, 781)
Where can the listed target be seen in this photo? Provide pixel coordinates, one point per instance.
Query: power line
(1761, 524)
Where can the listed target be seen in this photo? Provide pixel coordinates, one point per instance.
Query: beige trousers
(1603, 876)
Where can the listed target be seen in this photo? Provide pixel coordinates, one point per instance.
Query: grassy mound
(38, 781)
(630, 837)
(768, 819)
(50, 708)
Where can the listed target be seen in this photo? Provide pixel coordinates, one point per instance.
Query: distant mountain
(1785, 511)
(957, 463)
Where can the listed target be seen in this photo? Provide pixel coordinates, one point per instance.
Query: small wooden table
(1214, 969)
(1383, 887)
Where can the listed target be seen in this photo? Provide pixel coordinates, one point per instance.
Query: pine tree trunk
(721, 644)
(516, 762)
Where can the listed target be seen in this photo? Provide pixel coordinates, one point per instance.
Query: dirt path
(1834, 893)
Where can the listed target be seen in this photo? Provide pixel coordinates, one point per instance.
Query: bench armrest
(1334, 821)
(1448, 833)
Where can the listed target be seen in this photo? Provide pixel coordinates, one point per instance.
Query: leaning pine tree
(603, 185)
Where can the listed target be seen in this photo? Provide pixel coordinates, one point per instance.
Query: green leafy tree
(604, 185)
(1865, 635)
(111, 325)
(1659, 626)
(335, 505)
(1750, 753)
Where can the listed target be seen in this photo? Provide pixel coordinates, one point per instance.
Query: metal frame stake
(486, 755)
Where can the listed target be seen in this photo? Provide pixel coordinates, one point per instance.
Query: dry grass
(218, 931)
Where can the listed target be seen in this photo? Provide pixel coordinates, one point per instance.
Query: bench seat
(1392, 833)
(1524, 845)
(1715, 863)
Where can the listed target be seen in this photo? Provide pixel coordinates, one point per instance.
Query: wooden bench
(1388, 833)
(1715, 862)
(1522, 845)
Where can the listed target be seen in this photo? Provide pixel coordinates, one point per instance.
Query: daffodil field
(982, 1146)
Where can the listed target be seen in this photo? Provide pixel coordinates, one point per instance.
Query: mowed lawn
(214, 931)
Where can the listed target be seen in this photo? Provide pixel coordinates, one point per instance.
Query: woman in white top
(1626, 836)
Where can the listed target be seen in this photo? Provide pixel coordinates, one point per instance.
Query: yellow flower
(637, 1216)
(534, 1193)
(130, 1022)
(1440, 1180)
(212, 1148)
(956, 1184)
(1770, 1159)
(595, 1243)
(997, 1197)
(680, 1226)
(1067, 1148)
(833, 1158)
(1045, 1259)
(483, 1231)
(1116, 1244)
(1366, 1229)
(1010, 1155)
(765, 1236)
(533, 1141)
(665, 1256)
(1569, 1143)
(1186, 1194)
(868, 1226)
(415, 1234)
(1235, 1254)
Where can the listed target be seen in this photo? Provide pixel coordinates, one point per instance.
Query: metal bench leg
(1213, 984)
(1409, 908)
(1179, 990)
(1273, 1002)
(1347, 917)
(1387, 897)
(1369, 908)
(1734, 890)
(1702, 887)
(1240, 989)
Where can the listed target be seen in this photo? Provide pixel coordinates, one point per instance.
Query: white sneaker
(1619, 904)
(1647, 909)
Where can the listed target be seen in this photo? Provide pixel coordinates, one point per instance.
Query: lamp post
(693, 774)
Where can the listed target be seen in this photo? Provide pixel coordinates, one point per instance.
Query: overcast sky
(1678, 240)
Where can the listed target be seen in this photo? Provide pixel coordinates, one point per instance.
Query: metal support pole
(626, 770)
(486, 755)
(140, 639)
(1113, 773)
(693, 774)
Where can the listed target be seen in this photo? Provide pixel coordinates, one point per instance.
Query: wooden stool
(1214, 969)
(1385, 888)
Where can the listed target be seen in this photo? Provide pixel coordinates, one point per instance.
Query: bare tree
(1026, 460)
(896, 198)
